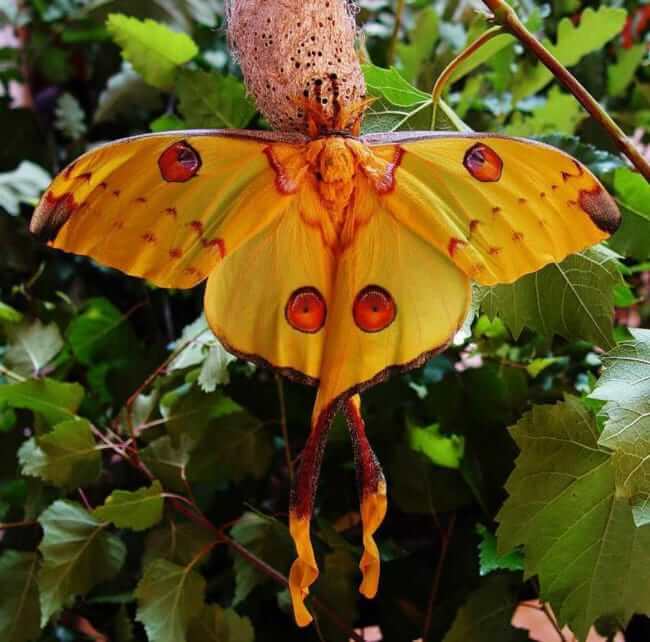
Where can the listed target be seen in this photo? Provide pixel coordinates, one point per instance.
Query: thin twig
(24, 524)
(507, 18)
(394, 39)
(445, 77)
(283, 423)
(11, 374)
(444, 549)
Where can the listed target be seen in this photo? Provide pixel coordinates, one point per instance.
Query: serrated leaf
(574, 299)
(97, 331)
(214, 371)
(54, 400)
(20, 612)
(213, 100)
(441, 450)
(78, 554)
(632, 239)
(561, 113)
(422, 38)
(489, 558)
(169, 598)
(193, 345)
(32, 346)
(235, 447)
(138, 510)
(578, 538)
(25, 184)
(625, 386)
(487, 613)
(400, 106)
(167, 461)
(621, 74)
(154, 50)
(595, 29)
(67, 456)
(216, 624)
(70, 117)
(124, 91)
(179, 543)
(267, 539)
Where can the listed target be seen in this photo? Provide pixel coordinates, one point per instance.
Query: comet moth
(335, 258)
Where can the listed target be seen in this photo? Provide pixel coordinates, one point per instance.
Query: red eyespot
(306, 310)
(483, 163)
(179, 163)
(374, 309)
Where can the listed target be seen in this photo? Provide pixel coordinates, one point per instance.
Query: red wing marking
(149, 237)
(179, 162)
(306, 310)
(386, 184)
(374, 309)
(176, 253)
(455, 245)
(601, 208)
(483, 163)
(284, 183)
(52, 214)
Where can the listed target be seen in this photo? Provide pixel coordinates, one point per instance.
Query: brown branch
(24, 524)
(507, 18)
(444, 549)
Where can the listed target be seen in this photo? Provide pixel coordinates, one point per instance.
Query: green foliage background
(143, 471)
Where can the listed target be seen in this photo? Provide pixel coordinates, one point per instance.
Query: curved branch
(507, 18)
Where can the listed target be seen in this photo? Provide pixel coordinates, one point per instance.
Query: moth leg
(304, 570)
(372, 492)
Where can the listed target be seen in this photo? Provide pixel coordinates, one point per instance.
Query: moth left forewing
(498, 207)
(164, 207)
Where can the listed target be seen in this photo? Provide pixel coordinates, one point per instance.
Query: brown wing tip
(601, 208)
(51, 214)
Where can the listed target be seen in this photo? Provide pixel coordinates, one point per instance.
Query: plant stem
(283, 422)
(448, 71)
(444, 549)
(394, 39)
(507, 18)
(24, 524)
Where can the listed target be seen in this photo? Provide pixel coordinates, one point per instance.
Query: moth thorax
(299, 61)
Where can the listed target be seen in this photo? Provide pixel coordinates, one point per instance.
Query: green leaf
(574, 299)
(597, 160)
(441, 450)
(67, 456)
(168, 461)
(125, 91)
(169, 598)
(179, 543)
(20, 612)
(621, 74)
(422, 41)
(596, 28)
(70, 117)
(166, 123)
(267, 539)
(217, 624)
(633, 194)
(236, 446)
(24, 185)
(625, 386)
(561, 113)
(400, 106)
(489, 558)
(138, 510)
(154, 50)
(487, 614)
(9, 314)
(214, 371)
(212, 100)
(78, 554)
(482, 55)
(579, 539)
(54, 400)
(32, 346)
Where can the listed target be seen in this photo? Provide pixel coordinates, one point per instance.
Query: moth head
(299, 62)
